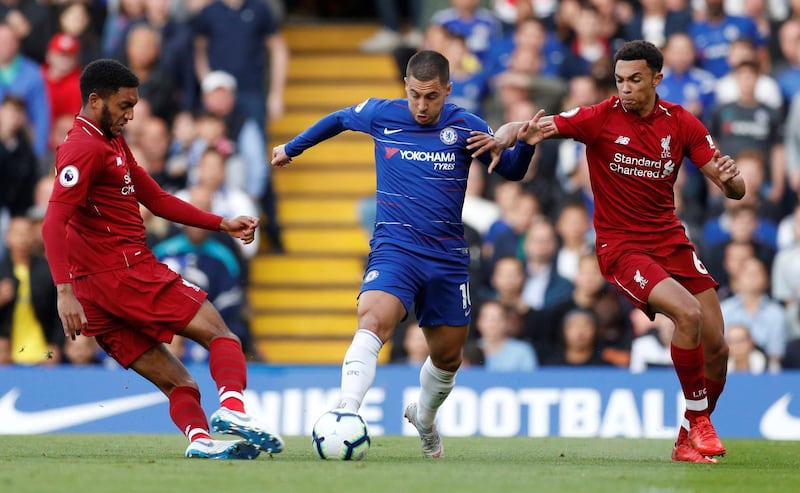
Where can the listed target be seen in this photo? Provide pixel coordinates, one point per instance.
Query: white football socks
(435, 386)
(358, 369)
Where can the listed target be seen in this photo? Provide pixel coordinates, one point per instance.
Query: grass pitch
(155, 464)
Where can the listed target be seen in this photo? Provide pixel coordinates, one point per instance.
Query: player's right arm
(325, 128)
(54, 233)
(355, 118)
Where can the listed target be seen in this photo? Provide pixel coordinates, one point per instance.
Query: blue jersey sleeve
(357, 118)
(513, 163)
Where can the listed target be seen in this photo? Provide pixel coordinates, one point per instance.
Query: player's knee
(689, 316)
(715, 353)
(447, 362)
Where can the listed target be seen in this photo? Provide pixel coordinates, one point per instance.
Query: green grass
(155, 464)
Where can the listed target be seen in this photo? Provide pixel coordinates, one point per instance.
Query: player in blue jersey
(423, 149)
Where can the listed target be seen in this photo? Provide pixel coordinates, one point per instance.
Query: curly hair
(105, 77)
(641, 50)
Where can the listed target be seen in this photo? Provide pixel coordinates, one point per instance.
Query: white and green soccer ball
(340, 435)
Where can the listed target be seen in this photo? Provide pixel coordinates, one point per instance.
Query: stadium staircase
(304, 301)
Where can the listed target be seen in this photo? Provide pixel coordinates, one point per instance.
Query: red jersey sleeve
(54, 234)
(700, 145)
(168, 206)
(584, 123)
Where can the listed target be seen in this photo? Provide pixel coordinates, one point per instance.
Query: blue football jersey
(421, 170)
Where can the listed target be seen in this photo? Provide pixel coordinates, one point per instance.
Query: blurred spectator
(578, 342)
(683, 82)
(506, 236)
(19, 168)
(792, 357)
(230, 36)
(175, 38)
(155, 146)
(752, 307)
(83, 351)
(574, 228)
(76, 20)
(591, 292)
(715, 30)
(201, 258)
(589, 52)
(655, 22)
(743, 354)
(32, 22)
(21, 76)
(725, 260)
(727, 90)
(788, 74)
(544, 286)
(749, 124)
(224, 199)
(143, 57)
(652, 348)
(220, 91)
(505, 287)
(479, 212)
(792, 146)
(121, 14)
(61, 72)
(501, 351)
(469, 85)
(390, 15)
(477, 24)
(30, 331)
(415, 346)
(786, 280)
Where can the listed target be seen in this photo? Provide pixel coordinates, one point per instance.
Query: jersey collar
(89, 126)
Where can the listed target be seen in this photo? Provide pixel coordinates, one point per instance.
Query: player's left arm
(170, 207)
(723, 172)
(507, 136)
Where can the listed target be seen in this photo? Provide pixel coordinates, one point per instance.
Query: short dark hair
(105, 77)
(641, 50)
(428, 65)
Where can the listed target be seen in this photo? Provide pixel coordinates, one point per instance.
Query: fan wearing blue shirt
(423, 150)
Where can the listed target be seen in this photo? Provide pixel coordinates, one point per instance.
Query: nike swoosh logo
(778, 423)
(15, 422)
(353, 361)
(386, 131)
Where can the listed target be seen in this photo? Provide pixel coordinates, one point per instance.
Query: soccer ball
(340, 435)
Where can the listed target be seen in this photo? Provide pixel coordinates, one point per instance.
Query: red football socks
(187, 413)
(229, 371)
(689, 367)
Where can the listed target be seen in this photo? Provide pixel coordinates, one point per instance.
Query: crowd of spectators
(213, 74)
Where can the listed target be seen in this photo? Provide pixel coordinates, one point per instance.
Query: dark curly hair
(104, 77)
(641, 50)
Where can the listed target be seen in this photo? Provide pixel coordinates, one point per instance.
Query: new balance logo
(623, 140)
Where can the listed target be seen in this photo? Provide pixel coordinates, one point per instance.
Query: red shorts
(131, 310)
(635, 272)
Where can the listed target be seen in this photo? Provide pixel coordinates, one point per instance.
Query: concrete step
(294, 270)
(328, 240)
(301, 180)
(303, 299)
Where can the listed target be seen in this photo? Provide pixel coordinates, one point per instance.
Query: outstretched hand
(505, 137)
(241, 227)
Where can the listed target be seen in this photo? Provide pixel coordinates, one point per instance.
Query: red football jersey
(633, 164)
(93, 223)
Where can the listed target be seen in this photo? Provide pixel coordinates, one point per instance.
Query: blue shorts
(438, 288)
